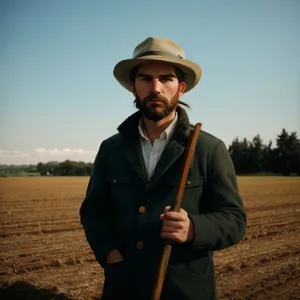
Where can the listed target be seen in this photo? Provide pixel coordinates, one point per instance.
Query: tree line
(52, 168)
(66, 168)
(252, 157)
(249, 157)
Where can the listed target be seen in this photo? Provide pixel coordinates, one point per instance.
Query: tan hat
(159, 49)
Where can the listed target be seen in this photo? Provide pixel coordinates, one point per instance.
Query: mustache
(155, 97)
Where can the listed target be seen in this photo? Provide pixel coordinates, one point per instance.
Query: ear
(132, 87)
(182, 87)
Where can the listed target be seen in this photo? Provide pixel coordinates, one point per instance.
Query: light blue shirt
(152, 153)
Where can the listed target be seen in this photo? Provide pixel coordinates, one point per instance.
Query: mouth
(156, 101)
(155, 104)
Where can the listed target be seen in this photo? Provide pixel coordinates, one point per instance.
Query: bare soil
(44, 253)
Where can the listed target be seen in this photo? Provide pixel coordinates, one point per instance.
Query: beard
(156, 111)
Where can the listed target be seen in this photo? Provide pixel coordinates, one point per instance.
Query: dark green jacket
(111, 215)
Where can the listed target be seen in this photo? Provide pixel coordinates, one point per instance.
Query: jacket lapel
(129, 129)
(171, 153)
(133, 154)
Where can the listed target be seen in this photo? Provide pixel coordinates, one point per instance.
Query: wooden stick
(176, 207)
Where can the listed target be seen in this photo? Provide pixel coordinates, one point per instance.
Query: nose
(156, 86)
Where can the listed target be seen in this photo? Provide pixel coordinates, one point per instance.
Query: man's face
(157, 90)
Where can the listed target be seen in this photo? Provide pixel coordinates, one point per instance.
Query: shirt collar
(164, 135)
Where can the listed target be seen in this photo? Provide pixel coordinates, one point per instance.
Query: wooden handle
(176, 207)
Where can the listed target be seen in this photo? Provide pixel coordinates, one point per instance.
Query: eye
(167, 79)
(145, 79)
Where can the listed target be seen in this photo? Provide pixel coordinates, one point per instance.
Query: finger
(170, 215)
(177, 238)
(182, 211)
(172, 226)
(168, 229)
(174, 216)
(175, 224)
(167, 208)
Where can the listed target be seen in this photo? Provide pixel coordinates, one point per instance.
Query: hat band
(161, 53)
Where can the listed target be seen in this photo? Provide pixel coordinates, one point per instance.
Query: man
(126, 213)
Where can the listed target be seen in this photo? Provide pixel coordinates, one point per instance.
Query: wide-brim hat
(158, 49)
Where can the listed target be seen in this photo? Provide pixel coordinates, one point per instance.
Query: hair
(178, 72)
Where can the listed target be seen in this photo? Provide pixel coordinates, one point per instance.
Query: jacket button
(140, 245)
(188, 182)
(142, 209)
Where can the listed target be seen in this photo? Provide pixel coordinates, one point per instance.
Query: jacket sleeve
(225, 223)
(96, 210)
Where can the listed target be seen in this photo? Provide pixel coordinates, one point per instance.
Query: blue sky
(58, 96)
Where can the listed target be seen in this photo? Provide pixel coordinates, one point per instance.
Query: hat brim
(192, 72)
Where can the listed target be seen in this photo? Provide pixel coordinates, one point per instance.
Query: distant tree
(236, 154)
(72, 168)
(31, 169)
(39, 167)
(65, 168)
(42, 168)
(46, 168)
(255, 155)
(294, 145)
(287, 152)
(239, 152)
(268, 158)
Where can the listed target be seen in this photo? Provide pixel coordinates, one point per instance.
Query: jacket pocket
(194, 181)
(192, 195)
(191, 181)
(120, 187)
(188, 286)
(119, 180)
(117, 282)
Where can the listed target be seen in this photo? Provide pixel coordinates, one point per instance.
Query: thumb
(182, 211)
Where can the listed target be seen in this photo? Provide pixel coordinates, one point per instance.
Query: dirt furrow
(257, 260)
(34, 224)
(76, 282)
(248, 248)
(260, 280)
(17, 232)
(280, 207)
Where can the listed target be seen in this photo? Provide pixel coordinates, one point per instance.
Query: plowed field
(44, 253)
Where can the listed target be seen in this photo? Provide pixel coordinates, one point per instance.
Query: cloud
(12, 154)
(65, 151)
(63, 154)
(45, 155)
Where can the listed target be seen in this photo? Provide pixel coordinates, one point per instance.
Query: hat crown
(158, 46)
(157, 49)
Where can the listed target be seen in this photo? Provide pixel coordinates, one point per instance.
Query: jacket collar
(129, 128)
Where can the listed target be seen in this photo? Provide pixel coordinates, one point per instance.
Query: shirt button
(142, 209)
(188, 182)
(140, 245)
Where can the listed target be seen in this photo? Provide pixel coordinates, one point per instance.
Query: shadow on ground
(21, 290)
